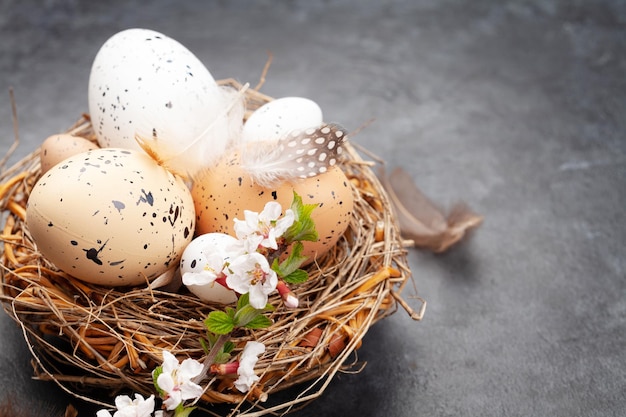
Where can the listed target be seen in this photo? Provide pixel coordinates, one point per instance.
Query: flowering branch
(250, 266)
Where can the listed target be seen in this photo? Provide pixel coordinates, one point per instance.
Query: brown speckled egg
(222, 194)
(56, 148)
(111, 216)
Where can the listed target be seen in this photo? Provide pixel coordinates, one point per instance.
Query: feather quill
(299, 154)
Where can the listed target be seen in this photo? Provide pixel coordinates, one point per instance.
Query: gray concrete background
(516, 107)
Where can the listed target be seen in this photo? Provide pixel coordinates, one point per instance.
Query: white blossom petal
(170, 363)
(258, 298)
(251, 273)
(285, 222)
(166, 382)
(270, 212)
(127, 407)
(173, 400)
(248, 360)
(199, 278)
(262, 229)
(176, 380)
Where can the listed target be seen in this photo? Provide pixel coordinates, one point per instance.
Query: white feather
(221, 133)
(298, 155)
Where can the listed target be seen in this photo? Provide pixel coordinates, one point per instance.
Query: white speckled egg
(56, 148)
(111, 216)
(145, 83)
(276, 118)
(197, 261)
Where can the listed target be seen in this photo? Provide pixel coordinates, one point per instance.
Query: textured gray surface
(516, 107)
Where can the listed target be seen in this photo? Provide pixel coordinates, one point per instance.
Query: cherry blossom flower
(248, 360)
(262, 229)
(176, 380)
(251, 273)
(211, 270)
(127, 407)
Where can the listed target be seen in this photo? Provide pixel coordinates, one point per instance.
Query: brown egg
(222, 194)
(57, 148)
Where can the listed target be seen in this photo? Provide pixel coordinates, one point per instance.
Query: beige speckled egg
(56, 148)
(111, 216)
(223, 193)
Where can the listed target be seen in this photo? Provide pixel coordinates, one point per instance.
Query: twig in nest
(265, 70)
(361, 127)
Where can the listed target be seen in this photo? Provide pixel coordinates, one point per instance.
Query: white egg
(111, 217)
(199, 262)
(145, 83)
(276, 118)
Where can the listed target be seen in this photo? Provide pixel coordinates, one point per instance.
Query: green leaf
(259, 322)
(306, 232)
(276, 267)
(182, 411)
(219, 322)
(228, 347)
(289, 270)
(294, 260)
(303, 228)
(245, 314)
(221, 357)
(298, 276)
(244, 299)
(155, 375)
(205, 345)
(212, 338)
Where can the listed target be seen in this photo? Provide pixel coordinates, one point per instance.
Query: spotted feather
(299, 154)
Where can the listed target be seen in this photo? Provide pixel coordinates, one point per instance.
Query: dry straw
(84, 336)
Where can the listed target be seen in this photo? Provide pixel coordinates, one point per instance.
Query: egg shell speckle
(223, 194)
(111, 216)
(56, 148)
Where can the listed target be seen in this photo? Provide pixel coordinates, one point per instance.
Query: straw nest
(84, 336)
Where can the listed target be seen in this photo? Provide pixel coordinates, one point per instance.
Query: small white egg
(198, 261)
(276, 118)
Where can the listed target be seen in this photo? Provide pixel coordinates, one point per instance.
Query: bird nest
(83, 336)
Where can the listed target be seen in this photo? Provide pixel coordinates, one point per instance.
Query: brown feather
(421, 220)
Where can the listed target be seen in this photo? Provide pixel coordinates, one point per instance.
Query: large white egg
(276, 118)
(111, 216)
(195, 261)
(144, 82)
